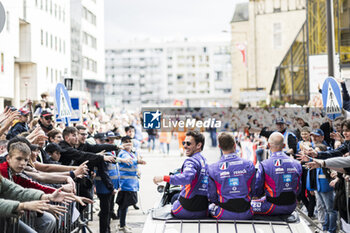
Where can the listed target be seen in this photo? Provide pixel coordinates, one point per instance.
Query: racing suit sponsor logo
(291, 170)
(233, 182)
(277, 162)
(235, 163)
(279, 170)
(223, 166)
(239, 172)
(224, 174)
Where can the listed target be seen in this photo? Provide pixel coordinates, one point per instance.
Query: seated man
(192, 202)
(278, 179)
(231, 182)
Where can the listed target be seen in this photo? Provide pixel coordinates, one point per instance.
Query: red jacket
(22, 180)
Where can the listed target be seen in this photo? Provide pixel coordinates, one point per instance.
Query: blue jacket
(113, 173)
(128, 173)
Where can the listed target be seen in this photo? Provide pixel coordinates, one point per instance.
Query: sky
(130, 20)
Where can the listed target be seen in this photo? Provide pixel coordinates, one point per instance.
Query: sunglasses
(186, 143)
(48, 118)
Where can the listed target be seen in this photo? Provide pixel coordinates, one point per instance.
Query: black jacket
(340, 151)
(98, 148)
(70, 155)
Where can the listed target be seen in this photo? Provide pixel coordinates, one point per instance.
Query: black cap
(126, 138)
(45, 113)
(52, 147)
(101, 136)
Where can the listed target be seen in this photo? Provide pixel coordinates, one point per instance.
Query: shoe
(114, 216)
(124, 229)
(136, 207)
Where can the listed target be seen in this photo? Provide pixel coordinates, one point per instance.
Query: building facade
(87, 50)
(263, 30)
(170, 73)
(34, 52)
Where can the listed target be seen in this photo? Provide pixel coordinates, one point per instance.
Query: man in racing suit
(231, 182)
(192, 202)
(278, 179)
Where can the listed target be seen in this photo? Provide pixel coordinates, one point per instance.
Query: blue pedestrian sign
(76, 113)
(63, 103)
(331, 98)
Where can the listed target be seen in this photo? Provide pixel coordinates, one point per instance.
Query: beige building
(263, 31)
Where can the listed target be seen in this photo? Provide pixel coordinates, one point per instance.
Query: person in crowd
(12, 169)
(231, 183)
(290, 140)
(165, 139)
(19, 126)
(130, 131)
(327, 216)
(129, 183)
(278, 181)
(54, 136)
(306, 196)
(152, 134)
(45, 121)
(54, 150)
(192, 202)
(15, 199)
(106, 194)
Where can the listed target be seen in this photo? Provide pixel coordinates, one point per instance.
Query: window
(47, 72)
(41, 37)
(41, 4)
(277, 35)
(55, 43)
(55, 10)
(2, 62)
(51, 44)
(59, 12)
(276, 5)
(60, 46)
(51, 7)
(64, 47)
(46, 5)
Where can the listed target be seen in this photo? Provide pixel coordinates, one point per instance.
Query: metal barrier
(64, 224)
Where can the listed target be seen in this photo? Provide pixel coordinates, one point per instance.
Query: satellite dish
(2, 17)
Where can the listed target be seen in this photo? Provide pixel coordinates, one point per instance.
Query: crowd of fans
(46, 165)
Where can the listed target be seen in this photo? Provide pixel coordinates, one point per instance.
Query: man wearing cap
(45, 121)
(20, 125)
(317, 137)
(290, 140)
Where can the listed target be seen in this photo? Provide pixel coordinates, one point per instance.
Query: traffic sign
(76, 113)
(331, 98)
(2, 17)
(63, 103)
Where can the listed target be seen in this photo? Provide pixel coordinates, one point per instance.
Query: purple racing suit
(193, 201)
(231, 181)
(278, 179)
